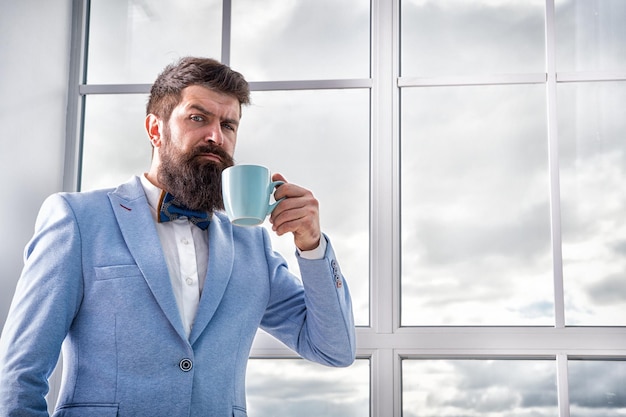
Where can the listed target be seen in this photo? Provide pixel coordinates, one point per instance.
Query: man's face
(198, 142)
(205, 116)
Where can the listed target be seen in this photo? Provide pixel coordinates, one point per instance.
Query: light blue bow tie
(171, 209)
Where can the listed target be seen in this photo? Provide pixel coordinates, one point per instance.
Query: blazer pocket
(104, 273)
(87, 410)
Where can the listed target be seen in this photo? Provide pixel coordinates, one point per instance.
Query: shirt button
(189, 281)
(184, 241)
(185, 365)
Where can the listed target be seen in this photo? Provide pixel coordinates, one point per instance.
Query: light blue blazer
(95, 283)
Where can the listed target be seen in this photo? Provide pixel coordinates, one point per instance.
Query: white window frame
(385, 343)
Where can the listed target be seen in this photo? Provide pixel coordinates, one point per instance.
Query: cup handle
(270, 189)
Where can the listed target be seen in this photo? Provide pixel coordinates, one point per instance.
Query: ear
(154, 127)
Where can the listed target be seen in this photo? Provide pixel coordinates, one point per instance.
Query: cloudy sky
(487, 388)
(475, 202)
(475, 176)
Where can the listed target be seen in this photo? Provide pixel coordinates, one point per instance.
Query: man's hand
(297, 213)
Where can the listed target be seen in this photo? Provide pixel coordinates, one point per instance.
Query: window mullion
(384, 167)
(384, 208)
(227, 9)
(553, 154)
(562, 385)
(75, 105)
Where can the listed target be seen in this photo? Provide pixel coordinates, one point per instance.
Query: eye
(196, 118)
(228, 126)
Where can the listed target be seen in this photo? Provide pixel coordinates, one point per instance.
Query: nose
(215, 135)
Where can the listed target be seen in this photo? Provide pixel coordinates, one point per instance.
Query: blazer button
(185, 365)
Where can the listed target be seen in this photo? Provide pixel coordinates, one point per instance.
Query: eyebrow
(206, 112)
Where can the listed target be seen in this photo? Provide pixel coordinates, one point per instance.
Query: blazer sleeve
(46, 299)
(313, 317)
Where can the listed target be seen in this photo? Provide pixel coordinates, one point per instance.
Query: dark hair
(166, 92)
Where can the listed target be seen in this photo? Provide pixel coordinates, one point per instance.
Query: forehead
(220, 104)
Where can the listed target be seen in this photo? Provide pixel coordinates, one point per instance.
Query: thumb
(278, 177)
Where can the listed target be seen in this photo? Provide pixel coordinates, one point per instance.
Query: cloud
(304, 389)
(116, 144)
(131, 42)
(593, 192)
(597, 384)
(590, 35)
(320, 39)
(461, 38)
(609, 290)
(475, 205)
(515, 388)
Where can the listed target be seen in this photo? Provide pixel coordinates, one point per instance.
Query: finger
(302, 224)
(278, 177)
(287, 219)
(291, 191)
(295, 198)
(297, 215)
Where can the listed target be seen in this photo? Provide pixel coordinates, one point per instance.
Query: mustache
(213, 149)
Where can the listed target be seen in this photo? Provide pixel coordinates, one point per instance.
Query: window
(469, 161)
(319, 139)
(505, 388)
(305, 389)
(605, 396)
(475, 206)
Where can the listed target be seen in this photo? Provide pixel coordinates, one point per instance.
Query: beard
(194, 182)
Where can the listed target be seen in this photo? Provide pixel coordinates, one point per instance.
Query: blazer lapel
(137, 225)
(221, 257)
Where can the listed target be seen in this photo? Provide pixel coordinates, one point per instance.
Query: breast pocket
(115, 288)
(104, 273)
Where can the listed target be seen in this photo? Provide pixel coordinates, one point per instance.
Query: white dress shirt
(186, 250)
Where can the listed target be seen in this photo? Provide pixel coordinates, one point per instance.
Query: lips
(210, 155)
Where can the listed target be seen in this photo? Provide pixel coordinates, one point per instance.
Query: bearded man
(150, 292)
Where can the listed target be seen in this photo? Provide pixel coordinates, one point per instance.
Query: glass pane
(115, 144)
(592, 154)
(320, 140)
(479, 388)
(131, 41)
(294, 387)
(476, 245)
(305, 39)
(461, 37)
(591, 35)
(597, 388)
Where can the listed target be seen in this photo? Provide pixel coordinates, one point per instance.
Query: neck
(153, 178)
